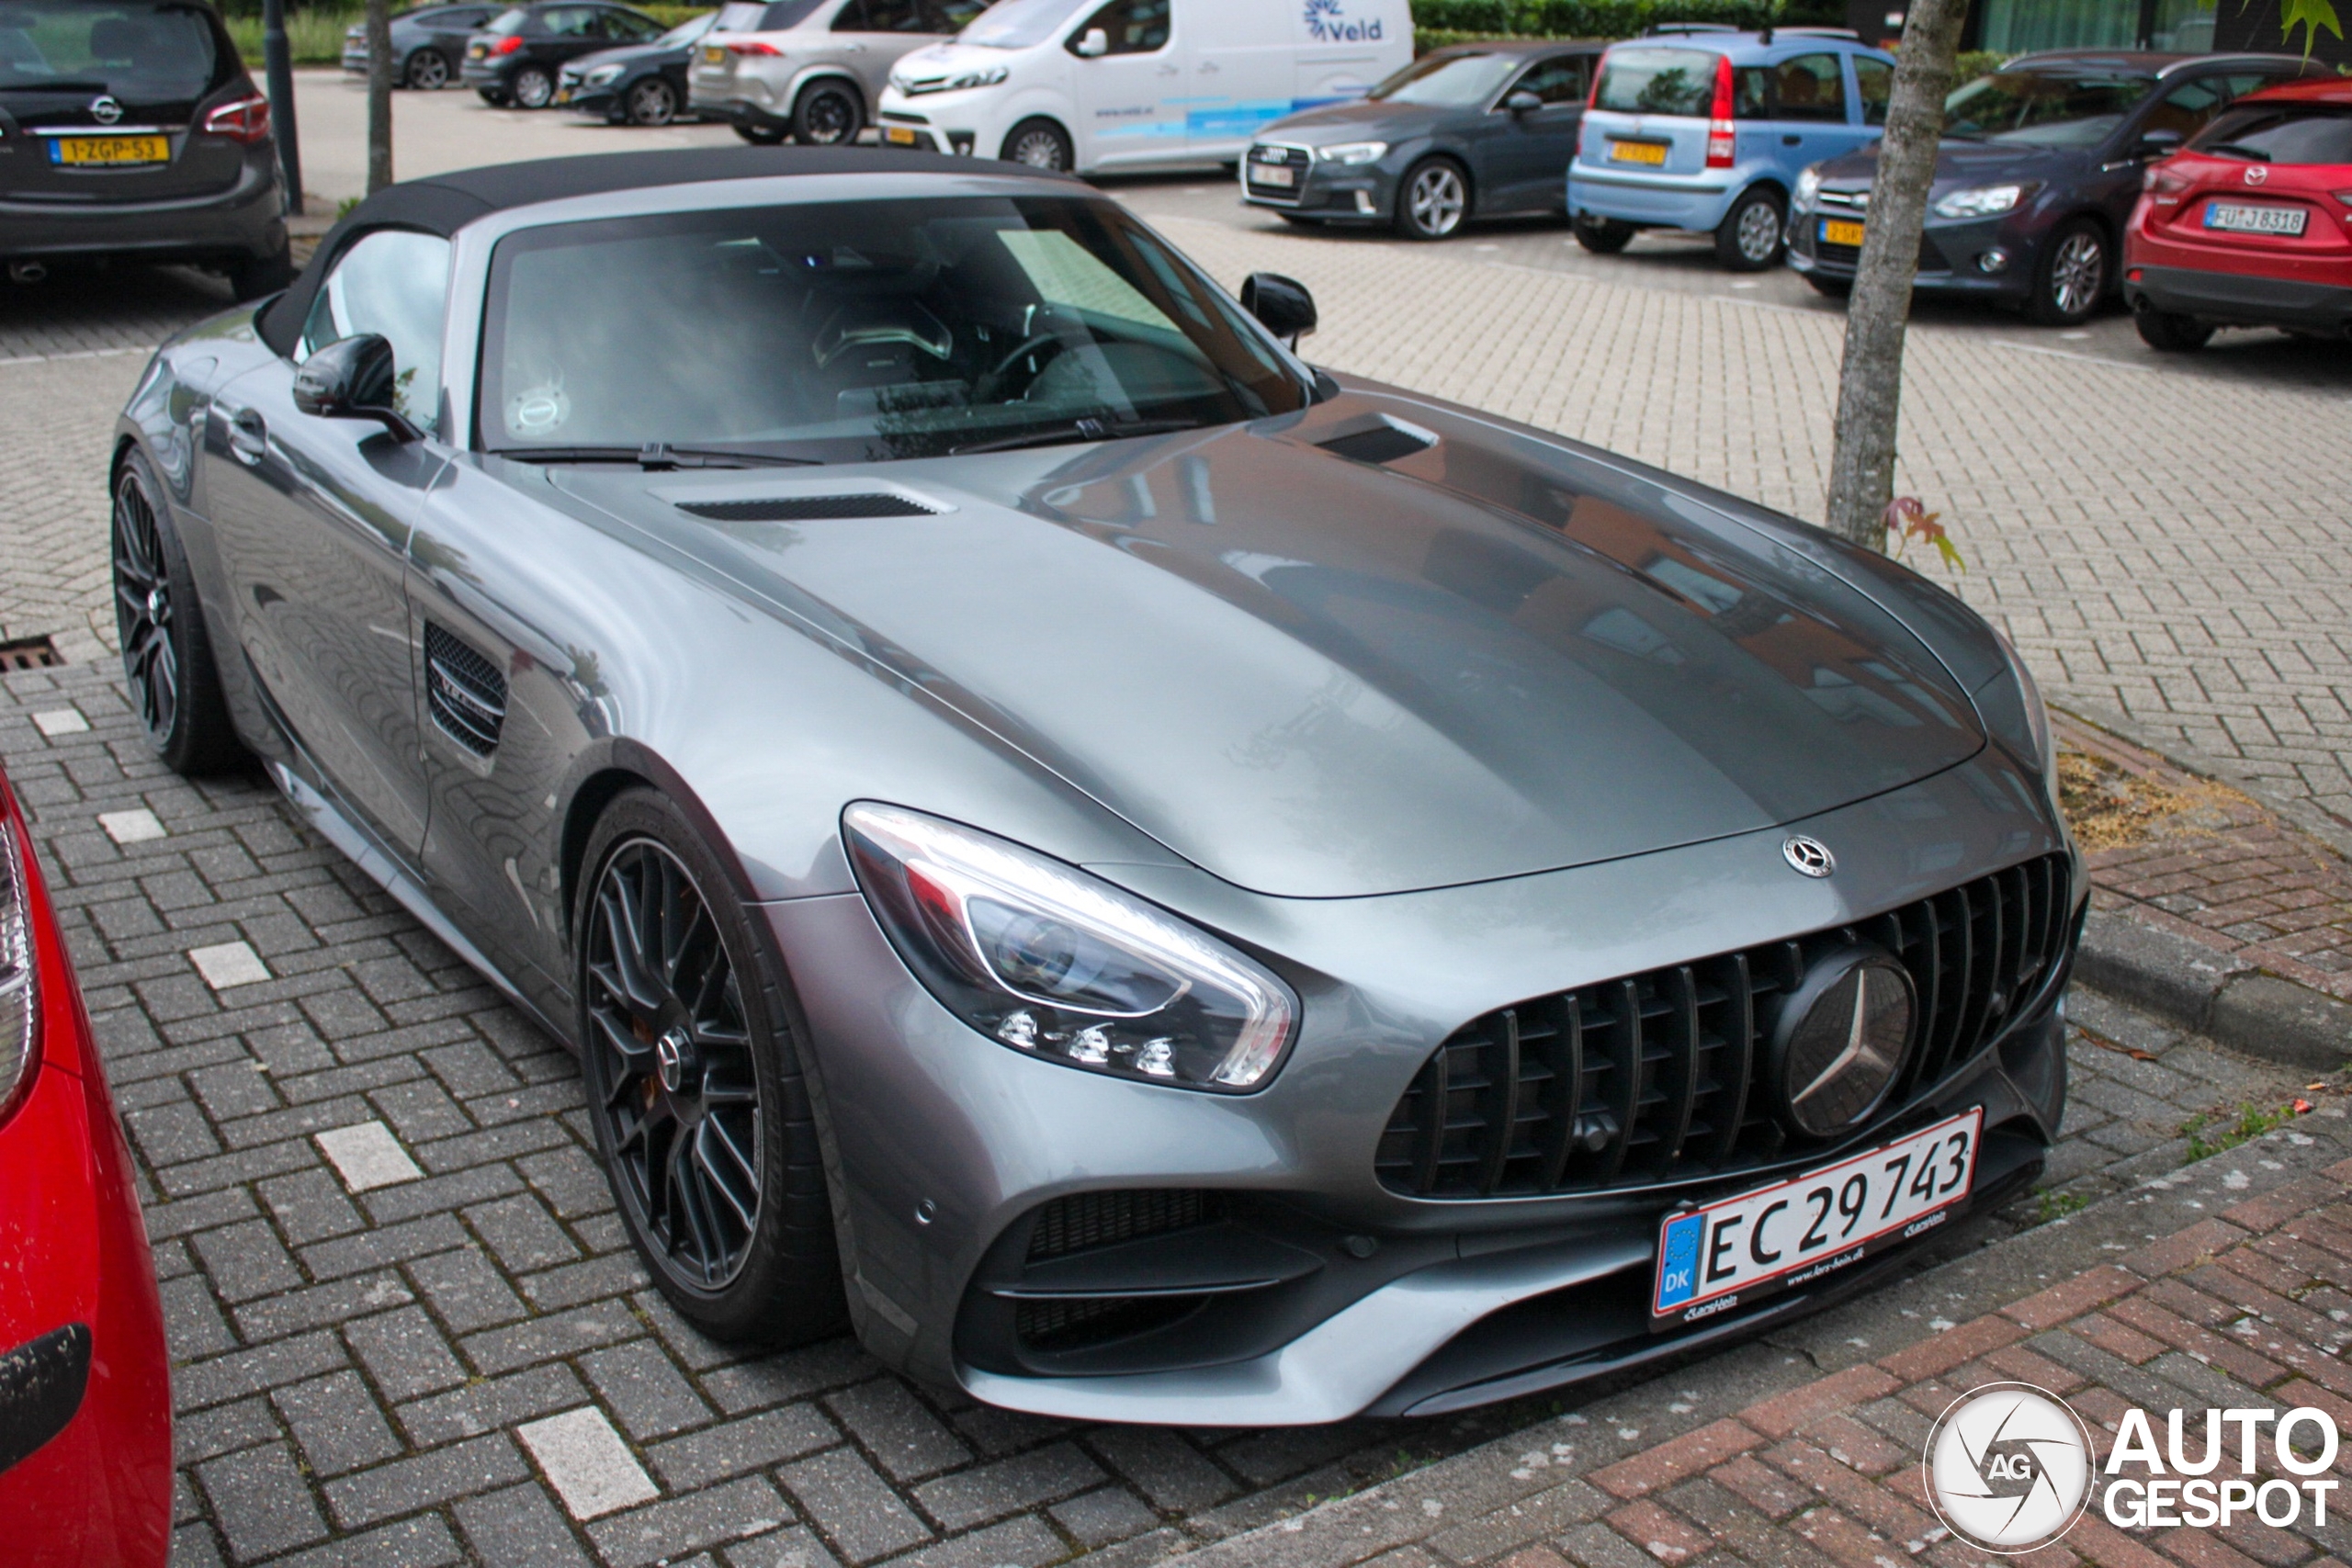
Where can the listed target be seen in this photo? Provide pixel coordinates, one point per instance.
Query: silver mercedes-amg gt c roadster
(1148, 880)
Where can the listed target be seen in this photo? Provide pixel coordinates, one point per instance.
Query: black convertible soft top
(443, 203)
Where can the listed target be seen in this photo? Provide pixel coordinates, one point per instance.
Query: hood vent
(1382, 443)
(809, 508)
(465, 691)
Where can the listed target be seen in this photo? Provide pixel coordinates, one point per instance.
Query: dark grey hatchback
(1473, 130)
(129, 127)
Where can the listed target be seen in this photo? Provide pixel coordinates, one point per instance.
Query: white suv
(811, 69)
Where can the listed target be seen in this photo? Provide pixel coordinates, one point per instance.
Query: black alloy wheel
(1433, 202)
(1041, 144)
(166, 659)
(429, 70)
(694, 1085)
(760, 135)
(827, 114)
(2168, 332)
(1603, 236)
(2073, 275)
(1749, 237)
(652, 102)
(531, 87)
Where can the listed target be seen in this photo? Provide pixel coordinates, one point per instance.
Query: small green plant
(2252, 1122)
(343, 209)
(1907, 519)
(2057, 1205)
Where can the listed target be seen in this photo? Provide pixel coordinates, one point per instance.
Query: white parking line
(366, 1155)
(230, 963)
(586, 1462)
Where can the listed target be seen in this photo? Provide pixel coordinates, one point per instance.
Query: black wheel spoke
(729, 1172)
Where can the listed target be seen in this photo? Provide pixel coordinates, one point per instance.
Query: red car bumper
(86, 1409)
(2175, 263)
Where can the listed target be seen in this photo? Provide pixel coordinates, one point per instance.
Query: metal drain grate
(29, 653)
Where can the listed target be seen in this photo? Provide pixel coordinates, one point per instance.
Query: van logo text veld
(1326, 23)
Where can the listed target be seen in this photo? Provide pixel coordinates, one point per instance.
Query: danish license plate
(113, 151)
(1840, 231)
(897, 136)
(2243, 218)
(1650, 152)
(1277, 174)
(1730, 1254)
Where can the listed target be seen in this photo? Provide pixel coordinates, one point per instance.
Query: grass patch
(313, 35)
(2211, 1136)
(2057, 1205)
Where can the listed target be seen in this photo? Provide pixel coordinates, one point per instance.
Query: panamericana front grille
(1654, 1077)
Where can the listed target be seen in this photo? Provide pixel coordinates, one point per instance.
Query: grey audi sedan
(1148, 880)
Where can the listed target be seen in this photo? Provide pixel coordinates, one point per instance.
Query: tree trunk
(1869, 382)
(381, 65)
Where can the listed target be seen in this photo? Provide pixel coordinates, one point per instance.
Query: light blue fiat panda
(1703, 127)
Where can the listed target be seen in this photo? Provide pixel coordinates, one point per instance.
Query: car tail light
(247, 119)
(753, 46)
(2160, 181)
(1722, 137)
(508, 45)
(19, 982)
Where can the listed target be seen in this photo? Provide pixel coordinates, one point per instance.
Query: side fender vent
(809, 508)
(1383, 442)
(465, 691)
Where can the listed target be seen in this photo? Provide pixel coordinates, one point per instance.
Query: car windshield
(138, 53)
(843, 331)
(2042, 109)
(1018, 24)
(2281, 133)
(1657, 81)
(1446, 81)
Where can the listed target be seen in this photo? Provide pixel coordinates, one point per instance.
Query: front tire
(2073, 276)
(1434, 200)
(1833, 287)
(166, 657)
(427, 70)
(2168, 332)
(695, 1084)
(1749, 237)
(531, 87)
(252, 277)
(652, 102)
(1603, 236)
(760, 135)
(1041, 144)
(827, 114)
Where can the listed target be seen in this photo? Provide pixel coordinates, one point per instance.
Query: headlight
(1982, 202)
(602, 74)
(2013, 710)
(1052, 962)
(988, 77)
(19, 987)
(1808, 186)
(1353, 151)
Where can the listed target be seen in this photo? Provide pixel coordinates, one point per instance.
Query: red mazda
(86, 1404)
(2250, 225)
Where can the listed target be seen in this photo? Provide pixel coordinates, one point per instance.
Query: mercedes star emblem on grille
(1843, 1039)
(1810, 856)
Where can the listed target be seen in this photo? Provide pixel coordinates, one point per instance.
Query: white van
(1083, 84)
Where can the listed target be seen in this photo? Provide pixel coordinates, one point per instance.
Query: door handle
(1792, 140)
(853, 49)
(1166, 70)
(248, 438)
(1208, 65)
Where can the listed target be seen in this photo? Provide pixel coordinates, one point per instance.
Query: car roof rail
(1667, 29)
(1819, 32)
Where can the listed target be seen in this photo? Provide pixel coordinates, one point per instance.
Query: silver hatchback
(811, 69)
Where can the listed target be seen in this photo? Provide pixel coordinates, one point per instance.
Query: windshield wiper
(1078, 430)
(2238, 149)
(655, 456)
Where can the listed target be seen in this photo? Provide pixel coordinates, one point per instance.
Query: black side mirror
(1281, 304)
(353, 378)
(1522, 102)
(2157, 143)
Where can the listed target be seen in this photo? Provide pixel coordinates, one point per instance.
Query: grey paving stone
(338, 1423)
(1171, 1472)
(521, 1233)
(260, 1503)
(202, 1434)
(256, 1370)
(519, 1527)
(898, 1428)
(321, 1305)
(1008, 1487)
(310, 1205)
(491, 1403)
(854, 1508)
(404, 1353)
(753, 1442)
(643, 1390)
(465, 1290)
(411, 1543)
(795, 1547)
(404, 1486)
(1104, 1515)
(563, 1333)
(1021, 1543)
(660, 1532)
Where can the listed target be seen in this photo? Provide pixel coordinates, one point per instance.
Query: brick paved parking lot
(407, 1327)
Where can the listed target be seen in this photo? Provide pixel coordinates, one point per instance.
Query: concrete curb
(2206, 992)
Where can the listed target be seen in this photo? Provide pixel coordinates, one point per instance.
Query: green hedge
(1609, 19)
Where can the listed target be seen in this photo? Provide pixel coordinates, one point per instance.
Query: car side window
(950, 16)
(630, 28)
(1555, 81)
(1875, 80)
(1134, 27)
(571, 21)
(394, 282)
(1809, 86)
(880, 17)
(2188, 107)
(1751, 93)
